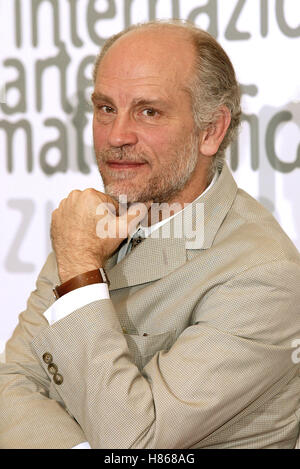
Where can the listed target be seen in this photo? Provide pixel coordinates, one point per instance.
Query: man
(192, 345)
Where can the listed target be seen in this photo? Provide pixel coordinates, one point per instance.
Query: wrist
(67, 273)
(87, 278)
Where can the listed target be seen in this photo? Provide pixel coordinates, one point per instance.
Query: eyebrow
(101, 97)
(96, 97)
(149, 102)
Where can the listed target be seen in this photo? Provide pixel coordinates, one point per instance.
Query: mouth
(124, 165)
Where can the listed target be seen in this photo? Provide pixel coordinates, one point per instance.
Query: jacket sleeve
(32, 414)
(235, 356)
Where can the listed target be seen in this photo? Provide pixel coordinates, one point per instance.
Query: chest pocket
(143, 348)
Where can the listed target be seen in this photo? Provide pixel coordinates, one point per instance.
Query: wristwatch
(82, 280)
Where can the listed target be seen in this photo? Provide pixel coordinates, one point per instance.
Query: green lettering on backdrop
(93, 16)
(274, 160)
(35, 5)
(61, 61)
(19, 84)
(80, 120)
(13, 262)
(252, 119)
(61, 143)
(152, 4)
(10, 129)
(18, 23)
(232, 33)
(264, 24)
(285, 28)
(77, 42)
(211, 10)
(127, 13)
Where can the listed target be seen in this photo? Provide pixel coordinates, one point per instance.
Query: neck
(197, 184)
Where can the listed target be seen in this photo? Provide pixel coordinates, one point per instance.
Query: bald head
(152, 50)
(159, 41)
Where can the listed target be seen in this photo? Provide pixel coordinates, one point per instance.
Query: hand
(87, 228)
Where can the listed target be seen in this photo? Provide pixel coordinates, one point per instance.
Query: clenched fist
(87, 228)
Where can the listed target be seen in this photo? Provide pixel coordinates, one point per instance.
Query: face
(144, 133)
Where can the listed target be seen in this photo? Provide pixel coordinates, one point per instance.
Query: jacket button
(52, 368)
(47, 357)
(58, 379)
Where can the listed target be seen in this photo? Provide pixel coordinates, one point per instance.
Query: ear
(212, 137)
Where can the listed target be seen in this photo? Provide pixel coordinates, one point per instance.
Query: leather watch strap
(82, 280)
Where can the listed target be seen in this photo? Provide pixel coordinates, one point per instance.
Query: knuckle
(89, 192)
(74, 192)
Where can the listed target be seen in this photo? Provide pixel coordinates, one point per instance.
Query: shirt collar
(148, 230)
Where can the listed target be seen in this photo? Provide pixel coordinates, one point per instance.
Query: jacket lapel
(217, 203)
(152, 259)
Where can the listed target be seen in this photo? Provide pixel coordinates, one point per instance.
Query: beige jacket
(217, 368)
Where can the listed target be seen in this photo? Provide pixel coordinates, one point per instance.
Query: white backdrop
(47, 48)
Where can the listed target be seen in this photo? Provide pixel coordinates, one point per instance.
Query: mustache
(119, 154)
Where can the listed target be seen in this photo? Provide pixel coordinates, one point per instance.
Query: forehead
(154, 60)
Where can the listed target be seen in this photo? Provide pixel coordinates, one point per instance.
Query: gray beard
(159, 189)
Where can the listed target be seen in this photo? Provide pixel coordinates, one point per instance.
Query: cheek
(159, 142)
(175, 133)
(100, 135)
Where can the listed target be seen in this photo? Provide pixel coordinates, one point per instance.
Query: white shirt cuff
(76, 299)
(84, 445)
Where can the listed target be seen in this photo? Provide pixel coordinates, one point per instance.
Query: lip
(125, 164)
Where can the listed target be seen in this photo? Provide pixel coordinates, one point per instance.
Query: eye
(104, 113)
(106, 109)
(149, 112)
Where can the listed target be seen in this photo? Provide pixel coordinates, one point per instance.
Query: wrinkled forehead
(160, 56)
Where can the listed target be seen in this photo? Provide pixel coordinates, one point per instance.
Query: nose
(122, 132)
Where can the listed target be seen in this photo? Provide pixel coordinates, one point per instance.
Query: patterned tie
(136, 239)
